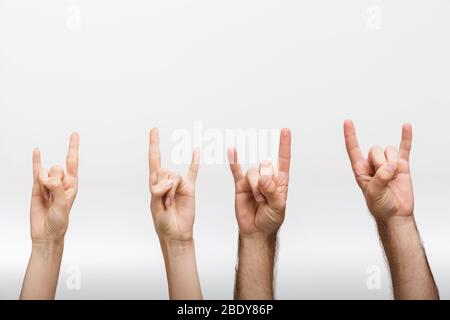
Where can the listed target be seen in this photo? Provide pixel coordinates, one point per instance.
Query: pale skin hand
(173, 211)
(385, 180)
(53, 195)
(260, 204)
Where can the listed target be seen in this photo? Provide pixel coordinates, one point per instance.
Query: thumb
(158, 191)
(56, 187)
(266, 184)
(177, 182)
(385, 174)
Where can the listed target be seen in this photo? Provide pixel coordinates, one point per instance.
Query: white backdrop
(112, 69)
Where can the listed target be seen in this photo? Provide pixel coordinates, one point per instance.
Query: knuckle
(375, 148)
(56, 168)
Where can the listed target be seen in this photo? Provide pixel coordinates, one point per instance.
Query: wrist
(175, 238)
(48, 248)
(172, 247)
(258, 238)
(399, 230)
(395, 222)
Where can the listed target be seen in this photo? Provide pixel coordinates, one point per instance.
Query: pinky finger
(195, 164)
(36, 169)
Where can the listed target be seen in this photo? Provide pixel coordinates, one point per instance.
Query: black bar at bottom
(220, 309)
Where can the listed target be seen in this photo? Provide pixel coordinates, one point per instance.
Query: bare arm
(411, 275)
(255, 271)
(42, 273)
(181, 269)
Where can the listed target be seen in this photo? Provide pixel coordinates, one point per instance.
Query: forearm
(42, 274)
(255, 270)
(181, 269)
(411, 275)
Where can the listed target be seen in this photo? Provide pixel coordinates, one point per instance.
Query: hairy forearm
(42, 274)
(411, 275)
(181, 269)
(255, 270)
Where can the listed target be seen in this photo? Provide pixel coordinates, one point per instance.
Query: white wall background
(112, 69)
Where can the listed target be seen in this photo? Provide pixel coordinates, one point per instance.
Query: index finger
(234, 164)
(36, 168)
(405, 146)
(284, 154)
(72, 155)
(154, 155)
(351, 143)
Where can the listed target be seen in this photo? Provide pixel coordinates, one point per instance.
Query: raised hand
(53, 194)
(173, 211)
(384, 176)
(173, 196)
(261, 194)
(260, 204)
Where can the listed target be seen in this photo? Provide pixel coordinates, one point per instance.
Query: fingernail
(266, 168)
(392, 166)
(169, 183)
(168, 202)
